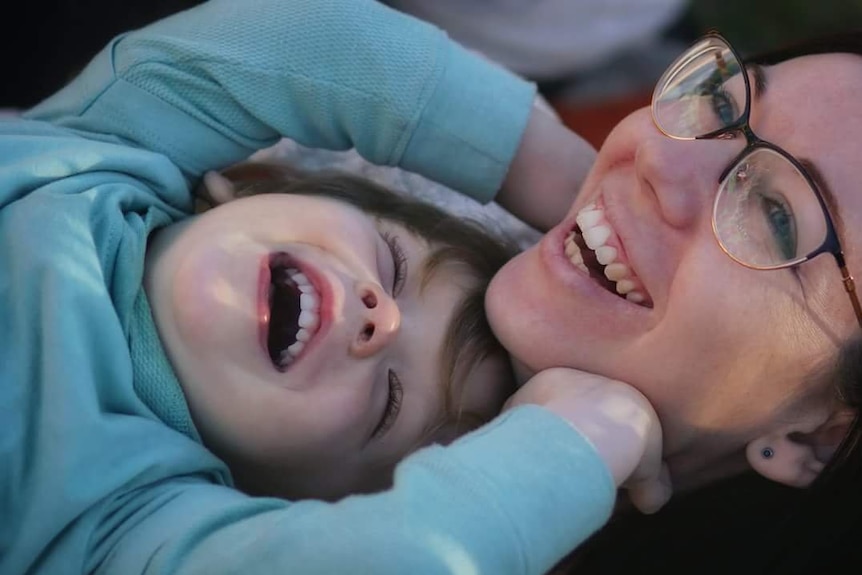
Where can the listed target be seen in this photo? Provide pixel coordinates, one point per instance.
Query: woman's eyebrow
(760, 85)
(828, 195)
(760, 79)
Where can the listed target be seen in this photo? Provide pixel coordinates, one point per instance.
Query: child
(326, 328)
(102, 469)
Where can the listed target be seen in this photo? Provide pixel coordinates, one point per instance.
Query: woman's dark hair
(747, 524)
(827, 520)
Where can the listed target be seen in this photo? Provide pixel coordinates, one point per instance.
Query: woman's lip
(321, 285)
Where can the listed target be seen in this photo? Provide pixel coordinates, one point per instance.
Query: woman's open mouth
(593, 247)
(291, 310)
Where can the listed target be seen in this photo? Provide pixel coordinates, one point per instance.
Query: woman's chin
(518, 315)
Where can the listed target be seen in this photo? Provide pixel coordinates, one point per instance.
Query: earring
(767, 453)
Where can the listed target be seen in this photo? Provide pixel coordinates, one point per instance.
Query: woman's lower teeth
(616, 272)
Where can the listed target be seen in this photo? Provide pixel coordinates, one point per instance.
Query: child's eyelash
(393, 405)
(399, 259)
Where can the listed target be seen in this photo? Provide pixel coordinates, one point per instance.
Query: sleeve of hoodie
(209, 86)
(511, 498)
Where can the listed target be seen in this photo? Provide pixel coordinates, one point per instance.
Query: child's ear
(796, 453)
(216, 188)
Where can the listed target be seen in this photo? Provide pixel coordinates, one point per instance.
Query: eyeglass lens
(766, 215)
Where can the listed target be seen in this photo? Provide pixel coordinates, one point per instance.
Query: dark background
(45, 42)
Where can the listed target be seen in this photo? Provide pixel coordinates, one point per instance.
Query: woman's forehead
(813, 110)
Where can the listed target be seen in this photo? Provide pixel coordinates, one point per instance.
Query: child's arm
(511, 498)
(547, 171)
(209, 86)
(616, 418)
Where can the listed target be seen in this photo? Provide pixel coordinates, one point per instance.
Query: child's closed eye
(399, 260)
(393, 406)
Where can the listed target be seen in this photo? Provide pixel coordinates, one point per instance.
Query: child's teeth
(308, 301)
(286, 358)
(295, 348)
(303, 335)
(309, 316)
(308, 319)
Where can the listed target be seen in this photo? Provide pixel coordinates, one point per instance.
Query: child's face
(333, 413)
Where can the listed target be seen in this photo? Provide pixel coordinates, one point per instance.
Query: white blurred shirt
(546, 39)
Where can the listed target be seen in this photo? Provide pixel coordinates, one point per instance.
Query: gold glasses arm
(850, 288)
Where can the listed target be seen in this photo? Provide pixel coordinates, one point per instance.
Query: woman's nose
(683, 175)
(379, 320)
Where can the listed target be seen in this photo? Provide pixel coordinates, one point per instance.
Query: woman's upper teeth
(597, 234)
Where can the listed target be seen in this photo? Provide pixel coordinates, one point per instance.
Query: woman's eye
(723, 106)
(781, 224)
(399, 262)
(393, 406)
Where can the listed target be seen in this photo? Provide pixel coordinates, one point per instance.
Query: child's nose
(379, 321)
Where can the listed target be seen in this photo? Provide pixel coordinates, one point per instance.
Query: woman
(749, 367)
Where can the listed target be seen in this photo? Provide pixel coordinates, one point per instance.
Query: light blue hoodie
(101, 469)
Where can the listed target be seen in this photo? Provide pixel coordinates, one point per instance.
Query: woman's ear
(796, 453)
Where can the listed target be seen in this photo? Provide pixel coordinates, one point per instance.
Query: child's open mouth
(294, 305)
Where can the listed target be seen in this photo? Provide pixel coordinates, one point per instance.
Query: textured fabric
(230, 97)
(101, 470)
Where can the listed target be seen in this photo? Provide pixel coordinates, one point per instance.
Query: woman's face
(722, 351)
(307, 339)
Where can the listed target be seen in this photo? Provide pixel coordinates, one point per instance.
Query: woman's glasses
(768, 211)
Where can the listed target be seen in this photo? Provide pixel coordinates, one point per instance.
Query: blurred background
(594, 60)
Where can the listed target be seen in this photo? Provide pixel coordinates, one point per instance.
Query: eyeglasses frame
(831, 244)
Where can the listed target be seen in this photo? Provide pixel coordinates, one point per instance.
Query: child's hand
(617, 419)
(546, 172)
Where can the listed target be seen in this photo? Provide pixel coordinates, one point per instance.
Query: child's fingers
(216, 188)
(649, 485)
(649, 495)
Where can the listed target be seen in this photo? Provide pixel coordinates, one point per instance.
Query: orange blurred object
(595, 121)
